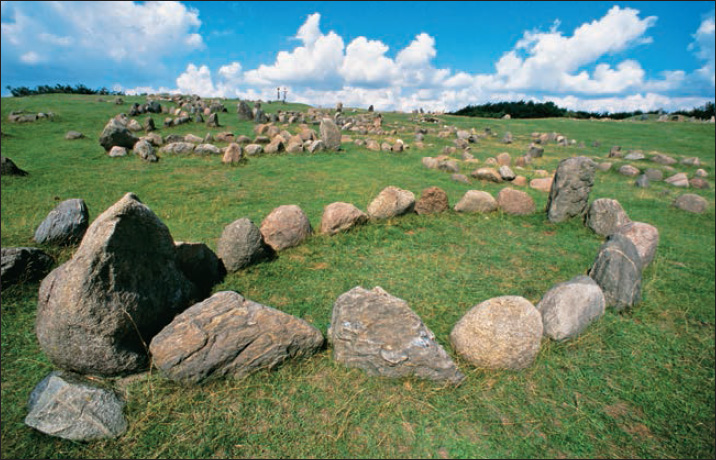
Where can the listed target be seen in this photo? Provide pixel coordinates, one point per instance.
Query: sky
(593, 56)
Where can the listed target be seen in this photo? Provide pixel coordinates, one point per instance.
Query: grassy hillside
(634, 384)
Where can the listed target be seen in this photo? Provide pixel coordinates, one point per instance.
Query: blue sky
(597, 56)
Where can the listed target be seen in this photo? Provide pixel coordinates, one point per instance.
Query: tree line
(79, 88)
(533, 109)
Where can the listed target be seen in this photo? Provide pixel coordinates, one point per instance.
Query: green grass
(635, 384)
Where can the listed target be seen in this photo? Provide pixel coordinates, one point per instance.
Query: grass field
(635, 384)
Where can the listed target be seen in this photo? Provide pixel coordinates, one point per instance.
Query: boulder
(617, 270)
(569, 194)
(543, 184)
(391, 202)
(243, 111)
(476, 201)
(330, 134)
(117, 151)
(207, 149)
(64, 225)
(699, 183)
(253, 150)
(644, 236)
(72, 135)
(692, 203)
(97, 312)
(629, 171)
(115, 133)
(9, 168)
(515, 202)
(71, 407)
(678, 180)
(338, 217)
(178, 148)
(228, 335)
(691, 161)
(499, 333)
(241, 244)
(488, 174)
(568, 308)
(23, 265)
(285, 227)
(145, 150)
(605, 216)
(506, 173)
(432, 200)
(379, 333)
(663, 159)
(200, 266)
(233, 153)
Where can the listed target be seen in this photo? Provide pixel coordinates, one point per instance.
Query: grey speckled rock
(476, 201)
(692, 203)
(122, 286)
(644, 236)
(339, 216)
(374, 331)
(330, 134)
(70, 407)
(568, 308)
(605, 216)
(617, 270)
(569, 194)
(230, 336)
(499, 333)
(24, 264)
(64, 225)
(391, 202)
(241, 244)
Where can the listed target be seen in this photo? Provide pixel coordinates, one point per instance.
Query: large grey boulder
(330, 134)
(97, 312)
(285, 227)
(339, 216)
(23, 265)
(569, 194)
(379, 333)
(568, 308)
(605, 216)
(64, 225)
(499, 333)
(68, 406)
(115, 133)
(391, 202)
(476, 201)
(241, 244)
(644, 236)
(617, 270)
(230, 336)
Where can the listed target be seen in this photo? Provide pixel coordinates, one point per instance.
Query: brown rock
(285, 227)
(432, 200)
(340, 216)
(515, 202)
